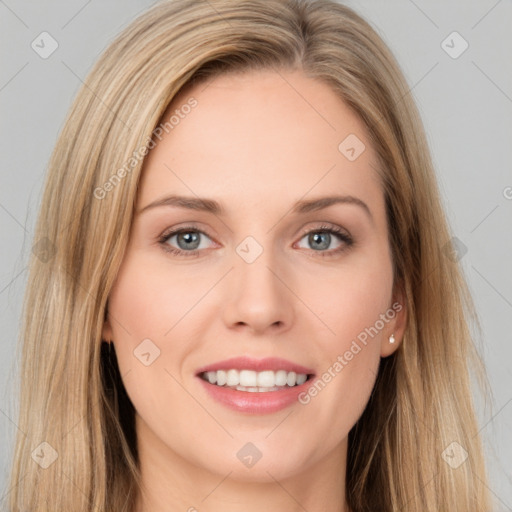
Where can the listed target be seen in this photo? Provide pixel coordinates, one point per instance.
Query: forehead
(259, 137)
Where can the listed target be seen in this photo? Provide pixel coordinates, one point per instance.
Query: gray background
(465, 103)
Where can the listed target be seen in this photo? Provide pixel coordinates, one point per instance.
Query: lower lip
(257, 402)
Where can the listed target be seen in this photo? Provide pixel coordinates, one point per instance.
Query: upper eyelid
(193, 227)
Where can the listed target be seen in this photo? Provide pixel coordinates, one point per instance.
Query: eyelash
(344, 237)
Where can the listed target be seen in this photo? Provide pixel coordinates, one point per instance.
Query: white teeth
(212, 377)
(256, 389)
(252, 381)
(221, 377)
(281, 378)
(267, 379)
(233, 378)
(248, 378)
(301, 378)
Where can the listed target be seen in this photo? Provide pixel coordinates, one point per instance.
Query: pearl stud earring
(392, 339)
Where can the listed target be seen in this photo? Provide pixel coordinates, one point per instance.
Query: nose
(259, 298)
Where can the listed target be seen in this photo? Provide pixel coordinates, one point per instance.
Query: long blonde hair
(71, 396)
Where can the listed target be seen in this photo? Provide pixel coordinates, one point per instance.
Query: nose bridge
(253, 267)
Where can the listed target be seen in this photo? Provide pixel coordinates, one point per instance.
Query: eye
(188, 240)
(322, 237)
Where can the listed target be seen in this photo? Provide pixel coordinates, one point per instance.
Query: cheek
(349, 300)
(351, 305)
(147, 310)
(149, 300)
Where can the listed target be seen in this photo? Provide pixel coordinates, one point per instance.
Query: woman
(310, 349)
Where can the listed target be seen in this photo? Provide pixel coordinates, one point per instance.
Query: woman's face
(259, 277)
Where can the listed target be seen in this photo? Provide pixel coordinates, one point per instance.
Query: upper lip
(259, 365)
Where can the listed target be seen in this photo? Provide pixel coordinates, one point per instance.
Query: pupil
(189, 237)
(316, 237)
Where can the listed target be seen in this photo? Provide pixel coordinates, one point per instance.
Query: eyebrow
(212, 206)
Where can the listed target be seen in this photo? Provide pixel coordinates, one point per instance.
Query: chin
(258, 462)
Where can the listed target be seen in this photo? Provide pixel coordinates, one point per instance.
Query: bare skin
(257, 146)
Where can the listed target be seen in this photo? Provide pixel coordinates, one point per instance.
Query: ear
(106, 333)
(397, 325)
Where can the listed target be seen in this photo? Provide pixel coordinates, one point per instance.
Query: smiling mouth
(253, 381)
